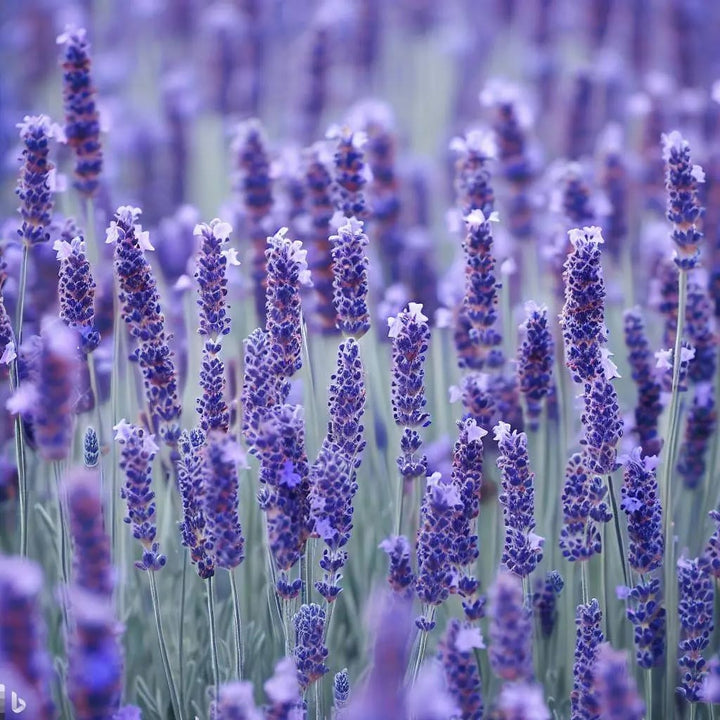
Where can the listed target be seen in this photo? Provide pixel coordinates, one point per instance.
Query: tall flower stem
(238, 626)
(62, 517)
(618, 533)
(671, 434)
(19, 436)
(429, 615)
(165, 658)
(181, 630)
(213, 638)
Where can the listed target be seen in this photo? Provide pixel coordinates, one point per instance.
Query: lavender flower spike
(462, 678)
(614, 686)
(35, 186)
(350, 278)
(95, 657)
(76, 291)
(137, 453)
(283, 692)
(350, 174)
(211, 276)
(82, 119)
(310, 650)
(683, 206)
(287, 270)
(92, 564)
(141, 311)
(510, 630)
(583, 316)
(589, 636)
(22, 629)
(523, 547)
(695, 611)
(224, 538)
(400, 575)
(410, 336)
(535, 361)
(235, 702)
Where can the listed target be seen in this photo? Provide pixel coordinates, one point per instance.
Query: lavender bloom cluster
(310, 651)
(140, 300)
(589, 636)
(35, 186)
(82, 119)
(350, 172)
(683, 206)
(535, 361)
(92, 566)
(76, 291)
(523, 548)
(614, 687)
(22, 629)
(350, 278)
(137, 452)
(400, 575)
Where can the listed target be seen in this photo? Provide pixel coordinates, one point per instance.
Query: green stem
(618, 533)
(20, 310)
(213, 639)
(237, 625)
(429, 614)
(584, 582)
(673, 424)
(62, 517)
(181, 631)
(165, 658)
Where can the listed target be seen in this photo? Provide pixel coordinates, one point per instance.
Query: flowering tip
(469, 638)
(32, 124)
(501, 431)
(590, 234)
(478, 140)
(123, 430)
(672, 141)
(71, 34)
(231, 257)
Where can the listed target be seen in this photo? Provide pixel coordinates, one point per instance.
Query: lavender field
(359, 360)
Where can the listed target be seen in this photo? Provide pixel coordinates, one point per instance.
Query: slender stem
(648, 693)
(62, 517)
(584, 582)
(165, 658)
(667, 469)
(213, 639)
(618, 533)
(318, 708)
(96, 397)
(19, 434)
(181, 631)
(238, 626)
(429, 614)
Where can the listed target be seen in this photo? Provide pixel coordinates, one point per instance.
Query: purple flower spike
(76, 291)
(711, 555)
(535, 361)
(588, 638)
(332, 488)
(55, 390)
(341, 689)
(34, 187)
(583, 315)
(400, 575)
(350, 278)
(510, 630)
(321, 210)
(287, 270)
(436, 577)
(224, 539)
(701, 334)
(310, 651)
(211, 276)
(695, 611)
(141, 311)
(646, 612)
(614, 686)
(410, 339)
(92, 565)
(683, 205)
(350, 172)
(523, 548)
(462, 678)
(22, 629)
(346, 401)
(699, 429)
(283, 693)
(544, 600)
(95, 657)
(641, 503)
(82, 119)
(193, 483)
(235, 702)
(472, 175)
(255, 185)
(584, 501)
(137, 453)
(602, 423)
(648, 407)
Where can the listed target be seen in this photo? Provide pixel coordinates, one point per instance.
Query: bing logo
(17, 704)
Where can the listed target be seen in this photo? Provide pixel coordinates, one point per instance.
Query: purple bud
(349, 172)
(535, 361)
(400, 575)
(589, 636)
(510, 630)
(82, 119)
(310, 651)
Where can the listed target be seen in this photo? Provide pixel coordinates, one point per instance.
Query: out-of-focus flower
(350, 171)
(614, 687)
(283, 693)
(400, 575)
(235, 702)
(535, 361)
